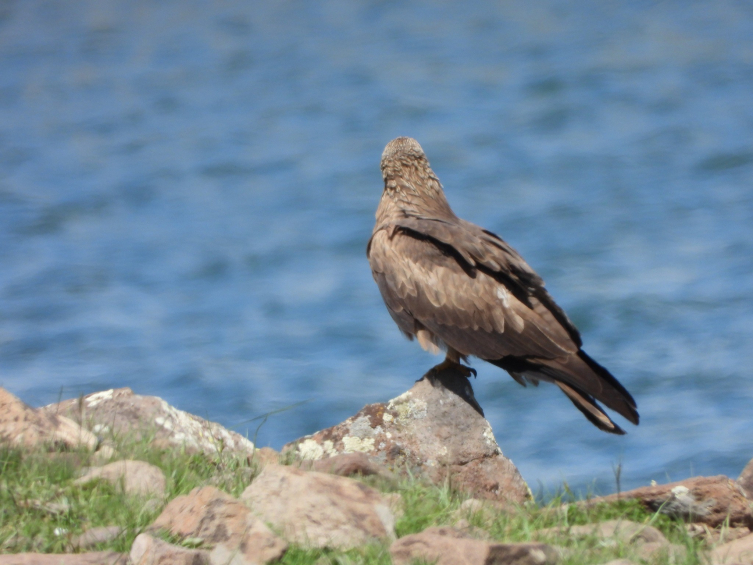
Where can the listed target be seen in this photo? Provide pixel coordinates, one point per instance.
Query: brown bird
(458, 287)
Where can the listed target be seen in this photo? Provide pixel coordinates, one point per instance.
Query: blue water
(187, 189)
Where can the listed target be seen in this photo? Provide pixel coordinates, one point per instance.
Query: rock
(265, 456)
(138, 478)
(94, 536)
(148, 550)
(708, 500)
(745, 480)
(319, 510)
(347, 464)
(396, 503)
(220, 520)
(716, 535)
(21, 425)
(436, 428)
(486, 510)
(93, 558)
(121, 412)
(666, 552)
(446, 546)
(622, 531)
(738, 551)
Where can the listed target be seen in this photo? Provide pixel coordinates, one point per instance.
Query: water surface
(186, 192)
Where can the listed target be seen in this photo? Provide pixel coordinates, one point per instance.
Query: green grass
(41, 509)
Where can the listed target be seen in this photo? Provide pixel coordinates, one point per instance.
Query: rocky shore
(339, 490)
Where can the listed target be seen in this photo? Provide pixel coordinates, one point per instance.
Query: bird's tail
(583, 381)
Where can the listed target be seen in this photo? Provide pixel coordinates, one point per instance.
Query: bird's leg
(452, 361)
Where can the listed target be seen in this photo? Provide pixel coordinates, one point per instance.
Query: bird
(455, 286)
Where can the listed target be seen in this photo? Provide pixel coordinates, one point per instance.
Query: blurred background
(187, 189)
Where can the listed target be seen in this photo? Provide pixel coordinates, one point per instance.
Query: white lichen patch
(490, 440)
(680, 490)
(310, 450)
(387, 417)
(361, 427)
(328, 447)
(163, 423)
(352, 444)
(93, 399)
(100, 429)
(407, 407)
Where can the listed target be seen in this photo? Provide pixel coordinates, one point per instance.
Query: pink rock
(24, 426)
(148, 550)
(623, 531)
(446, 546)
(223, 522)
(93, 558)
(347, 464)
(319, 510)
(137, 478)
(708, 500)
(94, 536)
(738, 551)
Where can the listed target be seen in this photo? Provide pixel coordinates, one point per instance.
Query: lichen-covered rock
(21, 425)
(224, 524)
(121, 412)
(437, 429)
(706, 500)
(318, 509)
(138, 478)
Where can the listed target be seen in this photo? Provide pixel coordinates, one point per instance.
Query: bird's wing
(463, 305)
(488, 252)
(452, 284)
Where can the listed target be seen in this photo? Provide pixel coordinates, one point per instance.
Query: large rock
(137, 478)
(707, 500)
(221, 521)
(21, 425)
(121, 412)
(148, 550)
(436, 428)
(446, 546)
(318, 509)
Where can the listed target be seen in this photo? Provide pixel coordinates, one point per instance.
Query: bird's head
(408, 178)
(401, 155)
